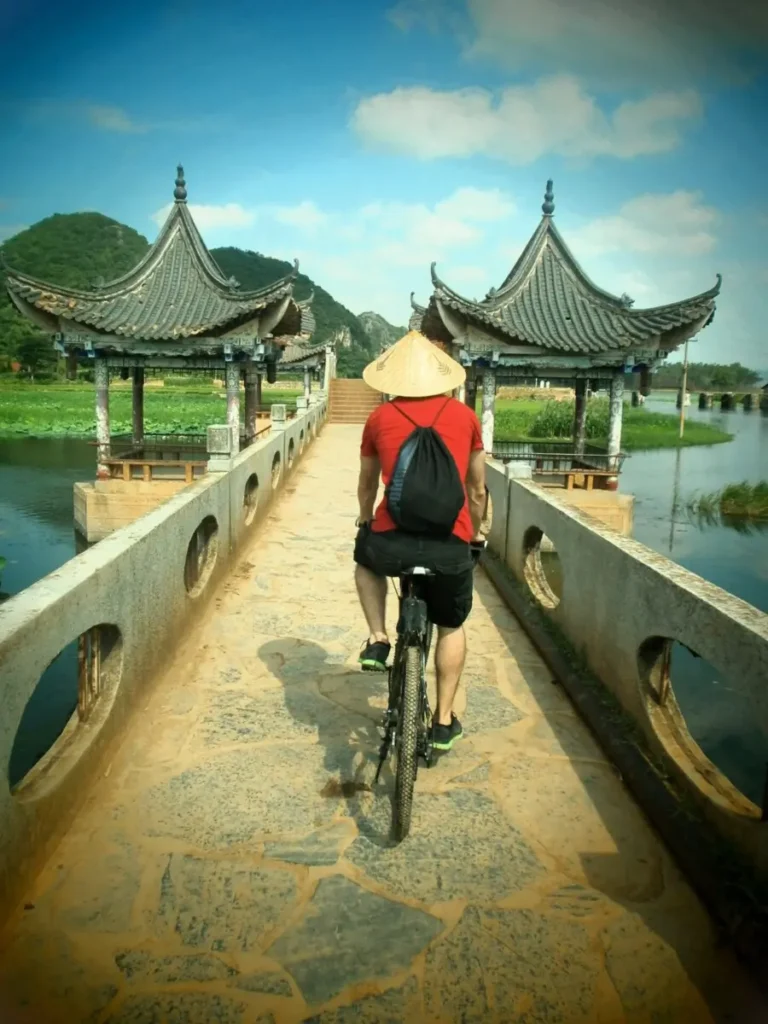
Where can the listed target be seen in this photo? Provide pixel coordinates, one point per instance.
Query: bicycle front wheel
(409, 734)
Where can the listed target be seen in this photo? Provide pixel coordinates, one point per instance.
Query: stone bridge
(204, 843)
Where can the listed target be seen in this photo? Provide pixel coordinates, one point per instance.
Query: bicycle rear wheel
(409, 734)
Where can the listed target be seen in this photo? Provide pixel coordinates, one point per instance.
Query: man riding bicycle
(420, 376)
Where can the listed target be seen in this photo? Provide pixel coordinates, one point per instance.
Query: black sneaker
(444, 736)
(373, 657)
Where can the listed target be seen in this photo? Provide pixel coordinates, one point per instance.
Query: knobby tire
(409, 734)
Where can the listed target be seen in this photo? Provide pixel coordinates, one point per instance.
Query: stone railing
(615, 611)
(128, 601)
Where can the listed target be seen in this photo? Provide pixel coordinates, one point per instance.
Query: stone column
(138, 405)
(489, 404)
(307, 383)
(614, 426)
(645, 381)
(232, 374)
(101, 377)
(251, 404)
(580, 416)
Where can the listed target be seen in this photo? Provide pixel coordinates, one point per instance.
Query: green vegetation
(702, 377)
(742, 506)
(67, 410)
(524, 420)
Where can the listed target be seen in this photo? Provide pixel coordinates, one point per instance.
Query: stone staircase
(351, 401)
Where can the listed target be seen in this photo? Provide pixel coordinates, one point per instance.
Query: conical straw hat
(414, 368)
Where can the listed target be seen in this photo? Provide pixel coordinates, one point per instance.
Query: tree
(37, 355)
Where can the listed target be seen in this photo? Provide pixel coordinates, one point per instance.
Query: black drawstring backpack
(425, 493)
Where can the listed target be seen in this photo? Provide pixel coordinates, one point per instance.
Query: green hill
(81, 249)
(381, 333)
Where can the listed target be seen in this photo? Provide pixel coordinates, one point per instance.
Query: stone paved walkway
(233, 864)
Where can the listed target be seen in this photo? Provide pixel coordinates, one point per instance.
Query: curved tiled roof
(417, 316)
(176, 291)
(296, 354)
(548, 301)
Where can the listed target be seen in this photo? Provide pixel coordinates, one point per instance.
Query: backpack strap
(403, 413)
(434, 421)
(441, 410)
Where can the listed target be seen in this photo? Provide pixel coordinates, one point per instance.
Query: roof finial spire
(180, 192)
(548, 206)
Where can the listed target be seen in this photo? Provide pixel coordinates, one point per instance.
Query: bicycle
(407, 723)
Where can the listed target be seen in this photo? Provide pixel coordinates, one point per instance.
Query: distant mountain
(81, 249)
(380, 332)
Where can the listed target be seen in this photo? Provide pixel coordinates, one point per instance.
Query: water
(717, 716)
(37, 537)
(736, 562)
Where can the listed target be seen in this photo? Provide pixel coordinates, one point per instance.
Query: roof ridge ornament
(180, 192)
(548, 206)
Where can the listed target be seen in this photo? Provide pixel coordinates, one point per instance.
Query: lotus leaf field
(67, 410)
(60, 410)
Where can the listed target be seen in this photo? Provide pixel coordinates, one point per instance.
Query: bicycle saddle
(417, 570)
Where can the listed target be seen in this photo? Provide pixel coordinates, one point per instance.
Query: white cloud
(490, 204)
(621, 41)
(305, 216)
(113, 119)
(210, 218)
(525, 122)
(677, 223)
(383, 249)
(424, 233)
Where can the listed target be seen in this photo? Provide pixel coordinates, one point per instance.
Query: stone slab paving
(233, 865)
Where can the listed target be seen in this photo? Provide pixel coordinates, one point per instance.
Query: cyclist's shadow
(345, 706)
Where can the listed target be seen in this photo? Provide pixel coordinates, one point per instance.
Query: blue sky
(370, 139)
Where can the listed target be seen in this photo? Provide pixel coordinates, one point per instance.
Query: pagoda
(549, 320)
(175, 311)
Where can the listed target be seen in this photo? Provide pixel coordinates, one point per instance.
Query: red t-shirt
(386, 429)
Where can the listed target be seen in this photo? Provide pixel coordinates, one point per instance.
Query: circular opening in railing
(291, 452)
(709, 715)
(77, 686)
(201, 556)
(542, 569)
(251, 498)
(276, 470)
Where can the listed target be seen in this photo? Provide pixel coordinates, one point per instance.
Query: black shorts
(448, 593)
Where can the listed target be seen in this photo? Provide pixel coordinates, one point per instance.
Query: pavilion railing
(559, 457)
(164, 456)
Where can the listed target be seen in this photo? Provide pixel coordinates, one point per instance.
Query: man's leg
(450, 651)
(372, 591)
(449, 604)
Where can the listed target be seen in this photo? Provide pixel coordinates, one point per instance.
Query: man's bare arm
(475, 484)
(368, 485)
